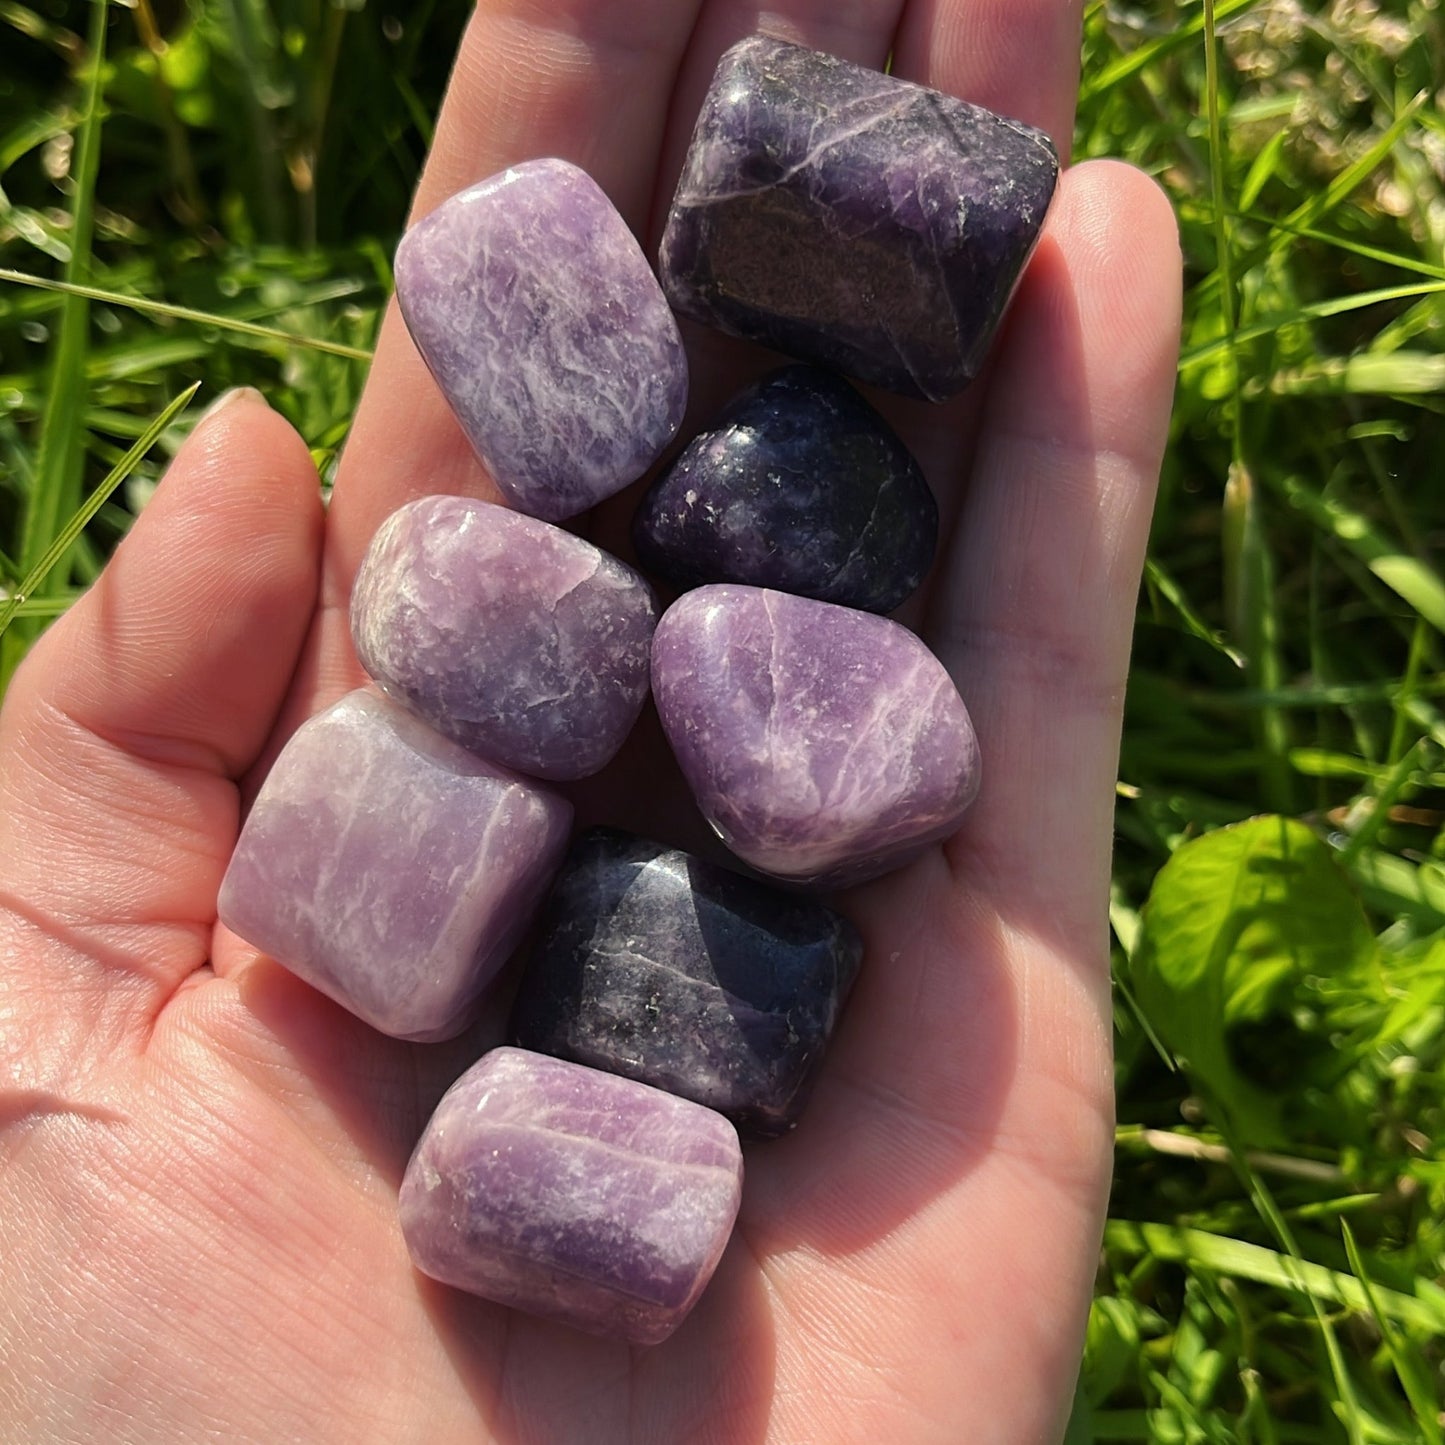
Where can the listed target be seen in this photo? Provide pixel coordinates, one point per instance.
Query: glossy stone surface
(546, 330)
(510, 636)
(589, 1199)
(799, 485)
(824, 745)
(662, 967)
(850, 218)
(390, 868)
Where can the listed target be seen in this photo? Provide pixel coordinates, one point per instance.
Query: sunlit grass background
(225, 181)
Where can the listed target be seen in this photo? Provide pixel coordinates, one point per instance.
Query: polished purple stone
(536, 311)
(390, 868)
(853, 219)
(689, 977)
(589, 1199)
(799, 485)
(824, 745)
(510, 636)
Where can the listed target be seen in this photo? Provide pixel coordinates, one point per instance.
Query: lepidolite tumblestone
(799, 485)
(546, 330)
(586, 1198)
(824, 745)
(854, 219)
(390, 868)
(510, 636)
(662, 967)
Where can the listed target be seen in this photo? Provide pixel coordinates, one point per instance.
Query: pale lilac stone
(824, 745)
(546, 330)
(390, 868)
(510, 636)
(580, 1196)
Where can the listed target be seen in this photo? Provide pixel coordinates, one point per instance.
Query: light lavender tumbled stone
(390, 868)
(510, 636)
(580, 1196)
(546, 330)
(824, 745)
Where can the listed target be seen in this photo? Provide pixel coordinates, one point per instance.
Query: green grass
(215, 199)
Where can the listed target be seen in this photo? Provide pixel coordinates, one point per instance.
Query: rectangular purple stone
(852, 218)
(588, 1199)
(542, 323)
(390, 868)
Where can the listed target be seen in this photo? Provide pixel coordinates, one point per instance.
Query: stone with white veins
(543, 324)
(852, 218)
(825, 746)
(510, 636)
(390, 868)
(579, 1196)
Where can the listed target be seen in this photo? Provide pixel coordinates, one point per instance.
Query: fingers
(1034, 608)
(1018, 57)
(124, 729)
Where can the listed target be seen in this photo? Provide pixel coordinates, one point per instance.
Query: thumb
(124, 731)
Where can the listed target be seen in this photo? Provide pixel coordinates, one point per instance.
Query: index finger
(585, 80)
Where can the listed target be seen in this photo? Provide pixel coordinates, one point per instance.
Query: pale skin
(199, 1156)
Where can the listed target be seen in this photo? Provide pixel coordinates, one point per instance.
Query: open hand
(199, 1156)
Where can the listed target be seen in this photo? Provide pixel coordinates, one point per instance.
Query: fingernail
(226, 399)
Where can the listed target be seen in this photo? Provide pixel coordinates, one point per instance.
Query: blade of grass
(1409, 688)
(1241, 1260)
(1145, 56)
(1410, 578)
(1325, 201)
(1340, 694)
(50, 607)
(1397, 888)
(1410, 1369)
(1317, 311)
(1249, 591)
(1348, 1406)
(185, 313)
(1248, 565)
(1162, 582)
(60, 465)
(1376, 808)
(72, 529)
(1389, 373)
(1346, 243)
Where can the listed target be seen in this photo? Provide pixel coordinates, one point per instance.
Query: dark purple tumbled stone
(799, 485)
(824, 745)
(853, 219)
(546, 330)
(667, 969)
(390, 868)
(586, 1198)
(510, 636)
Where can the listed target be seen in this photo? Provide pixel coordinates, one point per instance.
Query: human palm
(199, 1156)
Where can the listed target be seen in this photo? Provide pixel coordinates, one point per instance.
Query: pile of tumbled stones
(402, 845)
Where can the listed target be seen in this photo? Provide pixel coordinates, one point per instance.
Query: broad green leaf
(1232, 919)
